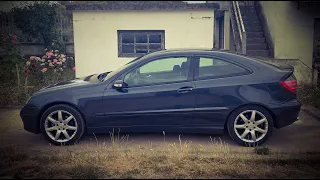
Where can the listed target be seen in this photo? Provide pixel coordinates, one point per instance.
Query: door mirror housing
(118, 84)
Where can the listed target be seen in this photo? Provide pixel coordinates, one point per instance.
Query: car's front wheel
(62, 125)
(250, 125)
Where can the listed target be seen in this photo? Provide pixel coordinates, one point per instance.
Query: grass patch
(166, 160)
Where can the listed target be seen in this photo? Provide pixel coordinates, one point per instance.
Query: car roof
(197, 51)
(227, 54)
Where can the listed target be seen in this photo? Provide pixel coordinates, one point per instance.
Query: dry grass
(166, 160)
(9, 121)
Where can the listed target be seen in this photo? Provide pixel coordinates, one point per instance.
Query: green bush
(309, 94)
(262, 150)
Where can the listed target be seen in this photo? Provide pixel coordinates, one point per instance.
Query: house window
(133, 43)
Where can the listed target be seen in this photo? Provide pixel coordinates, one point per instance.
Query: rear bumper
(286, 114)
(29, 116)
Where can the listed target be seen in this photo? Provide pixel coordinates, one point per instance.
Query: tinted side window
(159, 71)
(211, 67)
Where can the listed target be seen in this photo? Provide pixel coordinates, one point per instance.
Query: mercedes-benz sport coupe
(184, 91)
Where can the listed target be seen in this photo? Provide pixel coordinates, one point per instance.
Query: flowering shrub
(9, 38)
(49, 68)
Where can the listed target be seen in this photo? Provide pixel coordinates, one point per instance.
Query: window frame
(134, 32)
(197, 66)
(189, 78)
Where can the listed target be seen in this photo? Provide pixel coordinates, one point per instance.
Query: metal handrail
(240, 24)
(240, 16)
(237, 18)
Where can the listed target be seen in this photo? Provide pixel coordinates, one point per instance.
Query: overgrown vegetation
(166, 160)
(21, 76)
(309, 94)
(38, 20)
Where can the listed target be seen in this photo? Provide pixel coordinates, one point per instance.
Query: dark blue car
(185, 91)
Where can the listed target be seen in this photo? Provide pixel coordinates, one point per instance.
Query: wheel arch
(251, 104)
(47, 106)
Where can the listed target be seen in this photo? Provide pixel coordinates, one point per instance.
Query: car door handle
(185, 89)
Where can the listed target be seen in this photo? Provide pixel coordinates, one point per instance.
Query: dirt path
(303, 135)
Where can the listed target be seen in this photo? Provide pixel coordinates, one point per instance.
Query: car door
(217, 83)
(158, 93)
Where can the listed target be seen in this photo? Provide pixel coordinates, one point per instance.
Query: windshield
(120, 68)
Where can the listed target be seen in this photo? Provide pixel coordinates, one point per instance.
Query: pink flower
(55, 60)
(37, 58)
(44, 70)
(32, 57)
(74, 68)
(49, 54)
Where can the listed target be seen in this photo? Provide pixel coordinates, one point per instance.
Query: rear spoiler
(281, 66)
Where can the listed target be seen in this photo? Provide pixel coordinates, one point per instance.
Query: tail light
(290, 83)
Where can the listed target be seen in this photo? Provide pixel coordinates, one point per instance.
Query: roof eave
(141, 7)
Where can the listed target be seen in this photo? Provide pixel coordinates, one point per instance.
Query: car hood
(94, 78)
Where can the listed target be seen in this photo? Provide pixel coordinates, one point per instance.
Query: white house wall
(96, 39)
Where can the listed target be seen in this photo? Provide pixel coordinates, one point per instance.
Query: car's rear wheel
(250, 125)
(62, 125)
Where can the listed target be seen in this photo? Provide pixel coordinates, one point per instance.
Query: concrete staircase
(256, 40)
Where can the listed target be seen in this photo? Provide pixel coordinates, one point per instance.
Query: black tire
(77, 117)
(234, 115)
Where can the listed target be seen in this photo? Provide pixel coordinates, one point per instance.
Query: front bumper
(287, 114)
(29, 115)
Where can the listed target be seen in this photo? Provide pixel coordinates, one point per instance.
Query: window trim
(197, 66)
(189, 78)
(148, 32)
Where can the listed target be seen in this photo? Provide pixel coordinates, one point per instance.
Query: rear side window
(212, 68)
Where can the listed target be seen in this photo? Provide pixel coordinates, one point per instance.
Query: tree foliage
(37, 20)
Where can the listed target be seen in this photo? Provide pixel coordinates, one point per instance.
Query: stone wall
(37, 49)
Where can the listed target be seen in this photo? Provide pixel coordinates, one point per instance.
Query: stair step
(251, 23)
(255, 34)
(247, 8)
(250, 18)
(262, 53)
(250, 14)
(251, 28)
(260, 46)
(243, 11)
(256, 40)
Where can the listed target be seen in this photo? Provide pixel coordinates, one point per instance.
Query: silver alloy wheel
(251, 126)
(61, 123)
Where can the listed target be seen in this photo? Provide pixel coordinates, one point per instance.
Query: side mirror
(118, 84)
